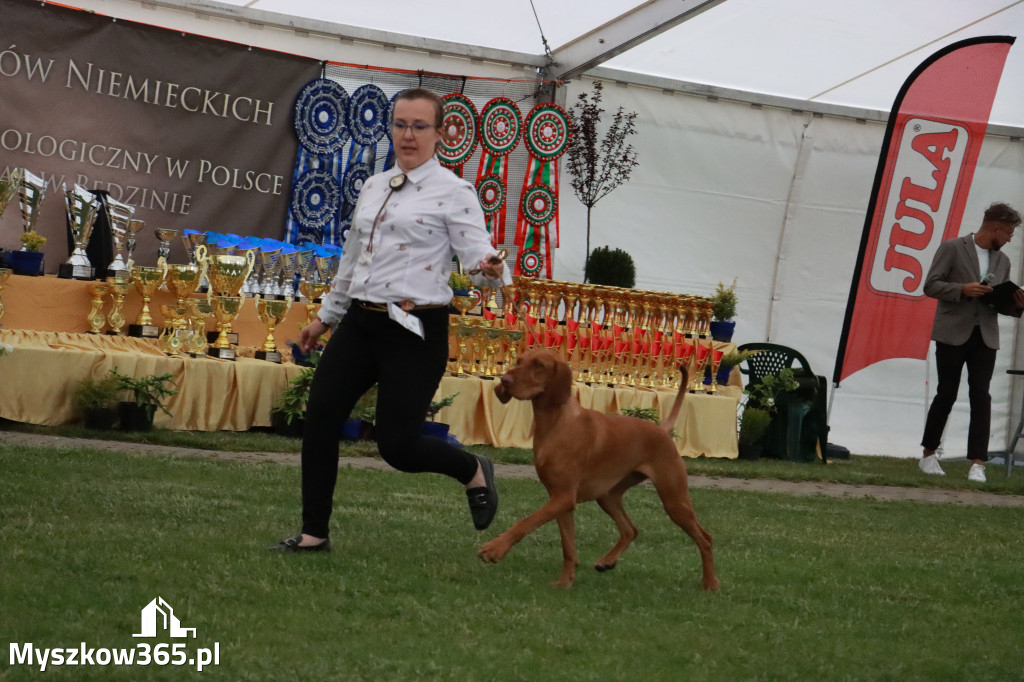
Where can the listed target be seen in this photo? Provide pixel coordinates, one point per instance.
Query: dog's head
(540, 375)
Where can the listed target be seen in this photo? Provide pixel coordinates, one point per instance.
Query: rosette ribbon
(501, 127)
(547, 133)
(458, 133)
(368, 122)
(321, 125)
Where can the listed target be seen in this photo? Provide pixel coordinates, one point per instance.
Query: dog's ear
(503, 395)
(558, 389)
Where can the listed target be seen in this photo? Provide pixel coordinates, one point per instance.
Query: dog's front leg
(567, 529)
(495, 550)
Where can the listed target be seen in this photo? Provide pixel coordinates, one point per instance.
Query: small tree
(598, 165)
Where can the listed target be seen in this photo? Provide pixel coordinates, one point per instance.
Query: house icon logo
(158, 614)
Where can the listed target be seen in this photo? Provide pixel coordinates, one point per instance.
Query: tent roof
(827, 51)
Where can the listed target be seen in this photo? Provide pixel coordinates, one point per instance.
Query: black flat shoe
(292, 545)
(483, 502)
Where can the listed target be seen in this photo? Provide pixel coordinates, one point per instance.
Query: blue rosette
(321, 116)
(315, 200)
(368, 114)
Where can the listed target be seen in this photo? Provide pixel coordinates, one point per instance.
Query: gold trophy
(227, 274)
(172, 340)
(312, 286)
(165, 236)
(31, 191)
(494, 336)
(9, 188)
(97, 320)
(463, 304)
(4, 274)
(513, 337)
(146, 280)
(466, 333)
(119, 287)
(271, 312)
(134, 227)
(198, 310)
(82, 209)
(701, 354)
(192, 239)
(225, 310)
(119, 216)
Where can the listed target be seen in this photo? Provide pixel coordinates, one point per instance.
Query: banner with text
(934, 135)
(193, 132)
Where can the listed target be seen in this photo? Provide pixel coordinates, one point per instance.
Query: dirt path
(804, 488)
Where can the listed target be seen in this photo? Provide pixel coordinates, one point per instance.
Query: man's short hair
(1002, 213)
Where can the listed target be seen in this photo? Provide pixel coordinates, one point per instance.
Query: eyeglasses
(418, 128)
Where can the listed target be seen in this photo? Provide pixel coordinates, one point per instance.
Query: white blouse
(407, 254)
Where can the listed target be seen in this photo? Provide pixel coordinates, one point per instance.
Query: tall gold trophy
(227, 274)
(271, 312)
(146, 280)
(119, 288)
(97, 320)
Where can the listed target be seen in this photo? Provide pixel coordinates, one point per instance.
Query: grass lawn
(812, 588)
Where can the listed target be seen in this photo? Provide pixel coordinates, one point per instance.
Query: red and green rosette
(501, 127)
(547, 133)
(458, 132)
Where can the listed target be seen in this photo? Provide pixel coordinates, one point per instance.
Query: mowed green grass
(812, 588)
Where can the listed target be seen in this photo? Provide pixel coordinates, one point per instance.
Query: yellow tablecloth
(706, 424)
(38, 379)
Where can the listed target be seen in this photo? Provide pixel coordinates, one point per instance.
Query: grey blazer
(956, 263)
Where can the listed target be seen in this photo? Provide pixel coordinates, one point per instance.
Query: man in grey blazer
(966, 330)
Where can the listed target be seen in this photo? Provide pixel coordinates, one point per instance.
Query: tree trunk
(586, 259)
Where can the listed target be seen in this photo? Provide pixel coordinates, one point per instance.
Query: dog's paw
(601, 567)
(493, 552)
(711, 584)
(564, 583)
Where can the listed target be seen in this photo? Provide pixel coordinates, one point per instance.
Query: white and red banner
(932, 141)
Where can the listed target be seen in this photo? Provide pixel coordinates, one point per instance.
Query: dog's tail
(678, 404)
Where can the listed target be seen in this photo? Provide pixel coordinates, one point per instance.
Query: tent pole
(803, 152)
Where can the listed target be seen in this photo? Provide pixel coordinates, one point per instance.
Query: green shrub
(610, 267)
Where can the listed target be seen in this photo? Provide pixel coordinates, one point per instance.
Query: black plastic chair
(799, 428)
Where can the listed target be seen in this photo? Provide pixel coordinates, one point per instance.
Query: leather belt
(383, 308)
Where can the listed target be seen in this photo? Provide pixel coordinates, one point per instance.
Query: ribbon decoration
(501, 126)
(458, 133)
(367, 117)
(547, 137)
(321, 125)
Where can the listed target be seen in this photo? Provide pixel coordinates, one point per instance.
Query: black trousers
(950, 361)
(368, 347)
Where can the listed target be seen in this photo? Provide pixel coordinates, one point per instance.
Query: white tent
(760, 125)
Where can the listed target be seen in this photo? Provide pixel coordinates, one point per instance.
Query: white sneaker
(976, 474)
(930, 465)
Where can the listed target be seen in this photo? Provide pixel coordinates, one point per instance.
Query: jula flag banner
(932, 141)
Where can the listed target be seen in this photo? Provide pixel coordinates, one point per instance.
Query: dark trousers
(950, 361)
(367, 348)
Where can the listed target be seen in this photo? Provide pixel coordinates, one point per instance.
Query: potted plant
(28, 261)
(434, 428)
(289, 413)
(148, 394)
(754, 423)
(460, 283)
(650, 414)
(97, 400)
(760, 408)
(725, 365)
(723, 303)
(610, 267)
(359, 425)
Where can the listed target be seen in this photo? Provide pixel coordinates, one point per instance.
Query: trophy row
(608, 335)
(184, 330)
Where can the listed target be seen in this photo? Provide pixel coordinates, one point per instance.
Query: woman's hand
(309, 334)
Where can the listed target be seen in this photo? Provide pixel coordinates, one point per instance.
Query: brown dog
(583, 455)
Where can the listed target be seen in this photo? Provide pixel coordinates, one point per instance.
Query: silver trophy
(193, 239)
(291, 265)
(83, 207)
(30, 195)
(270, 262)
(9, 187)
(165, 236)
(119, 215)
